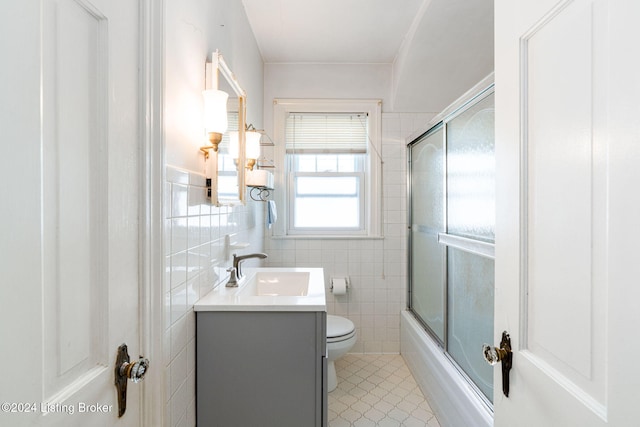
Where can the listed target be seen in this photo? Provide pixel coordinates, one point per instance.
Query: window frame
(370, 186)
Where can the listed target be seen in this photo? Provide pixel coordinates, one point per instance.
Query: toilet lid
(338, 326)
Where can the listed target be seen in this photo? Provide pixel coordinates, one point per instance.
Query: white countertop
(237, 299)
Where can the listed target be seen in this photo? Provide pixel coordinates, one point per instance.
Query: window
(330, 167)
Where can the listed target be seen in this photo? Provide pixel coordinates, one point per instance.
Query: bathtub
(453, 400)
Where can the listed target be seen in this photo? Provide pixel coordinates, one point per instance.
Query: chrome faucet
(238, 259)
(235, 271)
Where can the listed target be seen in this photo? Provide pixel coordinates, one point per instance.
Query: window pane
(326, 212)
(327, 163)
(305, 163)
(347, 163)
(470, 315)
(326, 186)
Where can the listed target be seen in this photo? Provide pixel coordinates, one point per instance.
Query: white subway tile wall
(194, 236)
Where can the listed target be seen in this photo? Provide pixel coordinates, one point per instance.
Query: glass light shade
(215, 111)
(233, 144)
(253, 144)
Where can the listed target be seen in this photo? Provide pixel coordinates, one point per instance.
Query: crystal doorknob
(493, 355)
(503, 354)
(135, 371)
(125, 370)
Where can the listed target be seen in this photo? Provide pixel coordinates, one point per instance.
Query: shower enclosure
(451, 243)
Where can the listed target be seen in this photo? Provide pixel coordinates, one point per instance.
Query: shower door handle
(503, 354)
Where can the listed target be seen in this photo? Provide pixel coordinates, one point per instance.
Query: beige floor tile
(377, 390)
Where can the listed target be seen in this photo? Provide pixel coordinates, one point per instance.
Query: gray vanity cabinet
(261, 369)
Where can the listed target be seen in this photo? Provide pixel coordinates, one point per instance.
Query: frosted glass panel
(470, 314)
(427, 217)
(470, 169)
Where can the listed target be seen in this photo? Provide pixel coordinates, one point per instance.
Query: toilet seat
(339, 329)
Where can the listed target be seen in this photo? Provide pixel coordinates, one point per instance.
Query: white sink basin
(270, 289)
(278, 283)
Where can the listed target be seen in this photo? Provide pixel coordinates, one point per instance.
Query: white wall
(355, 81)
(377, 268)
(193, 30)
(448, 49)
(194, 231)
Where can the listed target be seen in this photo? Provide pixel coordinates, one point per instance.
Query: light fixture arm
(214, 139)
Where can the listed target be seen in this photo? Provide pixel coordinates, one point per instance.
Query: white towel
(272, 213)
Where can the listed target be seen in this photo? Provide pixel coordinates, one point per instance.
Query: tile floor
(377, 390)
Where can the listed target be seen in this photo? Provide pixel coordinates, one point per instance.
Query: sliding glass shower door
(428, 221)
(452, 198)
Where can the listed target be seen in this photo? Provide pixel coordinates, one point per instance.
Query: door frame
(151, 179)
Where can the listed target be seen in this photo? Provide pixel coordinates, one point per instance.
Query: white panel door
(76, 299)
(568, 150)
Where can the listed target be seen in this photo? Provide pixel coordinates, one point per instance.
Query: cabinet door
(262, 368)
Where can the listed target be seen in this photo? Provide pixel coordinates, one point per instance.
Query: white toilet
(341, 336)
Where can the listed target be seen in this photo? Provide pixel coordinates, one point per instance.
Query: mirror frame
(217, 67)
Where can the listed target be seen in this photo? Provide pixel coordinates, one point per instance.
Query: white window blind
(317, 133)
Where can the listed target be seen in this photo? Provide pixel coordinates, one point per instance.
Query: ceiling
(330, 31)
(438, 48)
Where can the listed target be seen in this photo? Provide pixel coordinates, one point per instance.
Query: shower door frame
(477, 94)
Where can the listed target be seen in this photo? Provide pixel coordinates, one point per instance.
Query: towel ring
(259, 194)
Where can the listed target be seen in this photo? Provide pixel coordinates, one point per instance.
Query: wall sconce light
(215, 102)
(252, 144)
(215, 118)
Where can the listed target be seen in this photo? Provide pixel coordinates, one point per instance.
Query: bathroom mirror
(227, 185)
